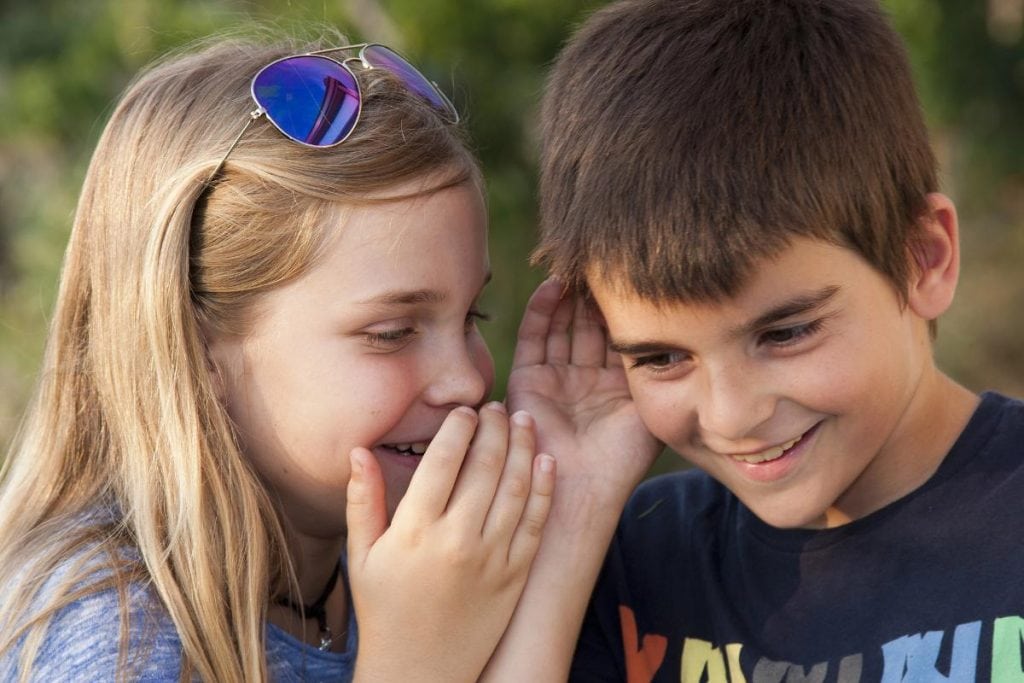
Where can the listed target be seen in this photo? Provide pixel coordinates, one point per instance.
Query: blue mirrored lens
(311, 99)
(385, 58)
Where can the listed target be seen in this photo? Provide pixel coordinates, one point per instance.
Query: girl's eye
(388, 338)
(474, 316)
(658, 362)
(788, 336)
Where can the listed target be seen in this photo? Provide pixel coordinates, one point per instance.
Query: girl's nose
(461, 377)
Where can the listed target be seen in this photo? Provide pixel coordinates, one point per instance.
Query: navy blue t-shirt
(929, 588)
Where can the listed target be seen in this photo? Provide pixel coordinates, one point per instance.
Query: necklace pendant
(326, 639)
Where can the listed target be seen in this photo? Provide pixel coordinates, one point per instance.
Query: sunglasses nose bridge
(360, 60)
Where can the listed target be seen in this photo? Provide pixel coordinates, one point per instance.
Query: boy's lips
(773, 453)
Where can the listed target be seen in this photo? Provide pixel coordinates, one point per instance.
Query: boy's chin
(795, 516)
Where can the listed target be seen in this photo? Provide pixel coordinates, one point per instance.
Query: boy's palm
(576, 390)
(564, 375)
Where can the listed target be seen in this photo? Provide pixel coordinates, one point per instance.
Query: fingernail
(465, 410)
(547, 463)
(522, 418)
(497, 406)
(358, 461)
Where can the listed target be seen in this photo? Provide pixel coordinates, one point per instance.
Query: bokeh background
(63, 63)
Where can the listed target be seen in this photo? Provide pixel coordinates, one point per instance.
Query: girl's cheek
(485, 363)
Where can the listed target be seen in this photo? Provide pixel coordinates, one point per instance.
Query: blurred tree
(63, 62)
(969, 59)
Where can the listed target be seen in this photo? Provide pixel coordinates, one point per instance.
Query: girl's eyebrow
(403, 297)
(406, 297)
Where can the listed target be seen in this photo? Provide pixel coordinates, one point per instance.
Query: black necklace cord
(317, 609)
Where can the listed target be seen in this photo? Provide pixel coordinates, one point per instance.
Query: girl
(243, 330)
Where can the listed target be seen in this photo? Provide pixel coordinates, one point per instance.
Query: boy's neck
(935, 417)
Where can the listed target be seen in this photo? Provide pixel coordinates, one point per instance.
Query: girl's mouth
(408, 449)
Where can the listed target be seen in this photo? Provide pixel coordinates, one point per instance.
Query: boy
(746, 191)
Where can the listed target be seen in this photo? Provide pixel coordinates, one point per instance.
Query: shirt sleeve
(83, 642)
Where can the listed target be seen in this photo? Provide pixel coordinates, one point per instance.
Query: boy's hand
(564, 375)
(435, 590)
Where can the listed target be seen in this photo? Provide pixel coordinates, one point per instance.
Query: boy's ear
(936, 255)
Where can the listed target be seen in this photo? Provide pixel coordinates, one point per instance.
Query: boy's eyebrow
(788, 309)
(796, 306)
(639, 348)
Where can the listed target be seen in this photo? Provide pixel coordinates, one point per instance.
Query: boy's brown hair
(686, 139)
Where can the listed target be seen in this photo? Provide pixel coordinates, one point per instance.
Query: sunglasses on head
(315, 100)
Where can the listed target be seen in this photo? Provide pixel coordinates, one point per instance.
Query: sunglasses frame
(452, 114)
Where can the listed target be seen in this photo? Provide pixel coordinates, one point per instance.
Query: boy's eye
(790, 335)
(658, 362)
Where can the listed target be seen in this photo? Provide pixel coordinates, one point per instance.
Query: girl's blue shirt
(82, 642)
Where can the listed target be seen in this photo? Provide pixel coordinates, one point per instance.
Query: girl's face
(372, 346)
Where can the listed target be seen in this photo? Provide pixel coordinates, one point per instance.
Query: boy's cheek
(665, 418)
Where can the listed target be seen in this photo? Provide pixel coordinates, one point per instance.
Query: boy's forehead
(805, 276)
(640, 324)
(801, 263)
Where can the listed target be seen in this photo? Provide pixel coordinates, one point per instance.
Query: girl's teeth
(770, 454)
(418, 448)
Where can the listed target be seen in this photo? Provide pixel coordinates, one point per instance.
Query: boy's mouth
(773, 453)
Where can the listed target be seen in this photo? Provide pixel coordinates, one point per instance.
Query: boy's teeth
(419, 448)
(770, 454)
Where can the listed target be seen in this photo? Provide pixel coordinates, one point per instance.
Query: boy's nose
(460, 377)
(732, 405)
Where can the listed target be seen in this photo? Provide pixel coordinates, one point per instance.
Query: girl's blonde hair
(126, 419)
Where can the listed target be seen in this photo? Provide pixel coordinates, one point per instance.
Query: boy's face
(804, 394)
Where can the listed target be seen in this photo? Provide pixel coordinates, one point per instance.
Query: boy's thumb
(366, 510)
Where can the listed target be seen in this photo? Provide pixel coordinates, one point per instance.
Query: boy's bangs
(686, 235)
(771, 121)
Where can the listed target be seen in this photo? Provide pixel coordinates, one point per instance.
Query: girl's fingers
(434, 479)
(589, 342)
(526, 539)
(516, 481)
(532, 339)
(366, 512)
(482, 470)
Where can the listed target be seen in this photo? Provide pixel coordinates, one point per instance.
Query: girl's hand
(435, 590)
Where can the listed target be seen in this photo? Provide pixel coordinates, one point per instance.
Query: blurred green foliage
(63, 63)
